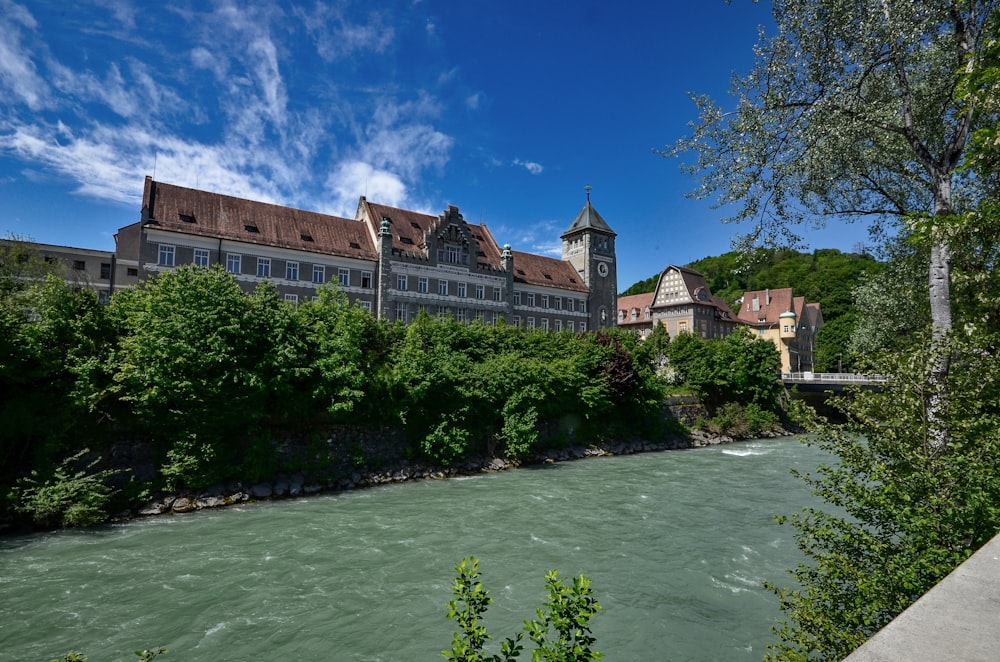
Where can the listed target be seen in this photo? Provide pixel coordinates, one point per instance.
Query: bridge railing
(833, 378)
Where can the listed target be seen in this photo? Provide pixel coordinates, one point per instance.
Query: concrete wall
(957, 620)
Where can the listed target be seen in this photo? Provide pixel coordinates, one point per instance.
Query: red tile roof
(533, 269)
(194, 212)
(772, 303)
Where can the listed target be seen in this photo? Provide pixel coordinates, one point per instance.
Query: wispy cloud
(530, 166)
(226, 111)
(18, 72)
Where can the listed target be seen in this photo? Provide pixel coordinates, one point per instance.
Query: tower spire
(587, 189)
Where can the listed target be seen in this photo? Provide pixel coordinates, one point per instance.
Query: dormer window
(306, 237)
(186, 218)
(252, 229)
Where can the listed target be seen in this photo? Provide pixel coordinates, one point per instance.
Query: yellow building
(787, 321)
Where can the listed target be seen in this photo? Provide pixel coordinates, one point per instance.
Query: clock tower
(589, 245)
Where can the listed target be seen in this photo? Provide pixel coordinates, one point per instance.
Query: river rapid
(677, 544)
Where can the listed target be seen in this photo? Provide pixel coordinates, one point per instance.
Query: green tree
(851, 111)
(900, 516)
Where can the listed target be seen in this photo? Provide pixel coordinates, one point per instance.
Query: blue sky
(506, 109)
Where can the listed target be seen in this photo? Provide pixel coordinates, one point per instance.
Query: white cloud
(337, 36)
(356, 178)
(231, 123)
(473, 100)
(530, 166)
(18, 72)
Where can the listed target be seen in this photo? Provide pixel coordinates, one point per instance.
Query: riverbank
(394, 468)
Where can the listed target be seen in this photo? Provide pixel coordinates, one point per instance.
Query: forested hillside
(826, 275)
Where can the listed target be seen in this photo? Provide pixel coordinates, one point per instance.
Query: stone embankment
(395, 469)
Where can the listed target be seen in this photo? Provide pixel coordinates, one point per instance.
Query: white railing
(833, 378)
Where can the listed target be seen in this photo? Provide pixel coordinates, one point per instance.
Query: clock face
(602, 269)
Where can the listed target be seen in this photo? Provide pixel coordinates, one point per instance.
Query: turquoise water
(677, 544)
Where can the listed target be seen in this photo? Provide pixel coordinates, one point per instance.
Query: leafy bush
(561, 633)
(68, 498)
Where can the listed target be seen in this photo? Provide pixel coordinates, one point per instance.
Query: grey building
(390, 261)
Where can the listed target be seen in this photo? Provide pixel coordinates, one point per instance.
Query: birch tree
(852, 111)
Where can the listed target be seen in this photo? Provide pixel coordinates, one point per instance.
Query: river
(677, 544)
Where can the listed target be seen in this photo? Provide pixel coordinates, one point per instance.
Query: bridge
(831, 381)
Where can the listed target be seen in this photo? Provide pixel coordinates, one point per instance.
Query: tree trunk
(940, 300)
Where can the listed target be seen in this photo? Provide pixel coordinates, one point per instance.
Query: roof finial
(587, 189)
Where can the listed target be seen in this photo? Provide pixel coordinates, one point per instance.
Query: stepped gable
(194, 212)
(530, 269)
(410, 230)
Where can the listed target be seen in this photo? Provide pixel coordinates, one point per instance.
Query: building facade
(682, 303)
(82, 268)
(787, 321)
(393, 262)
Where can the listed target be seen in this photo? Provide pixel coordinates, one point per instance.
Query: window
(460, 315)
(493, 318)
(443, 288)
(461, 290)
(496, 293)
(80, 265)
(200, 257)
(682, 327)
(583, 326)
(105, 271)
(422, 285)
(365, 305)
(480, 292)
(291, 270)
(319, 273)
(292, 298)
(517, 298)
(569, 325)
(531, 299)
(264, 267)
(557, 301)
(344, 276)
(233, 263)
(558, 325)
(531, 322)
(517, 320)
(545, 301)
(570, 305)
(582, 307)
(166, 257)
(401, 282)
(366, 281)
(545, 324)
(400, 312)
(132, 271)
(442, 312)
(103, 297)
(785, 328)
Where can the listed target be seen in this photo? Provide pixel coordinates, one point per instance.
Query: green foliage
(561, 631)
(739, 368)
(70, 497)
(902, 513)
